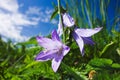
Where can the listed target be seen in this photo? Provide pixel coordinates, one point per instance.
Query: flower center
(60, 50)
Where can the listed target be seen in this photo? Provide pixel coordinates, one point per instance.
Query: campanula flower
(55, 50)
(68, 20)
(83, 36)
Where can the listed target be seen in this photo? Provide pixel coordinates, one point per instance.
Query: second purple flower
(81, 36)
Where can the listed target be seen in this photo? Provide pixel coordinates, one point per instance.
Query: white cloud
(33, 10)
(9, 5)
(12, 21)
(43, 14)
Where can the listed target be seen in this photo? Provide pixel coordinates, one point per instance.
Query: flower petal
(56, 62)
(66, 49)
(87, 32)
(55, 35)
(68, 20)
(88, 40)
(60, 30)
(79, 41)
(46, 43)
(45, 56)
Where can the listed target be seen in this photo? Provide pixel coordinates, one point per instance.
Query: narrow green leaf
(118, 51)
(30, 41)
(116, 65)
(105, 48)
(54, 13)
(101, 62)
(16, 78)
(31, 64)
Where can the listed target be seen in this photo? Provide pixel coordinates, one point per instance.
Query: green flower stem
(61, 22)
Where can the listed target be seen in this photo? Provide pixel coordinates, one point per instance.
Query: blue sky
(22, 19)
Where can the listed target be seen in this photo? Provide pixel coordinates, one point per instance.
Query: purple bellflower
(55, 50)
(81, 36)
(68, 20)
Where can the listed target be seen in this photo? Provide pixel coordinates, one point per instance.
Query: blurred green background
(100, 62)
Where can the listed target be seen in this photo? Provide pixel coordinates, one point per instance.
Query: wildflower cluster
(55, 49)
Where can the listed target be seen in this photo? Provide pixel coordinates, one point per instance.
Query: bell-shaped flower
(68, 20)
(59, 30)
(83, 36)
(55, 50)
